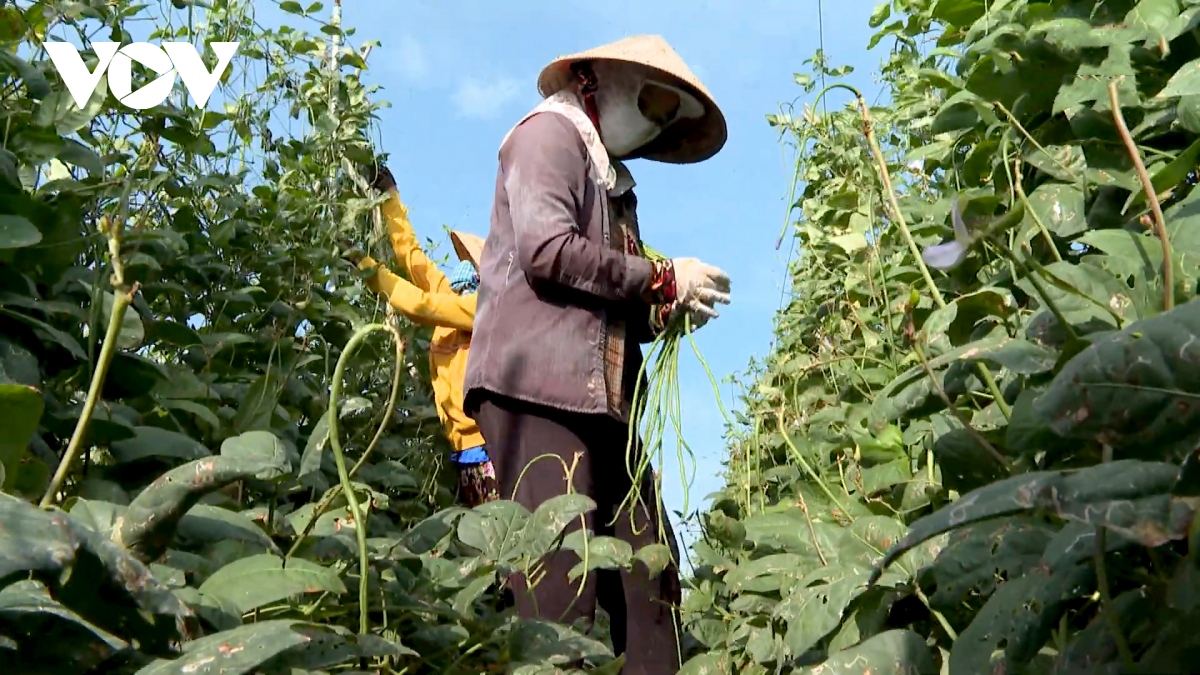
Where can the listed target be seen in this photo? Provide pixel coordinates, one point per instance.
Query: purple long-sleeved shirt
(563, 301)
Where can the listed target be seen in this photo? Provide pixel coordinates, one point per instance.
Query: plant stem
(890, 193)
(1037, 220)
(1151, 196)
(121, 301)
(812, 474)
(1106, 601)
(941, 618)
(391, 403)
(122, 297)
(983, 442)
(332, 494)
(360, 523)
(885, 176)
(1041, 290)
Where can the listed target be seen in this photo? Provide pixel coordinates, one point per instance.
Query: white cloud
(482, 99)
(409, 59)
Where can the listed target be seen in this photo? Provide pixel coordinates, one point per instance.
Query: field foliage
(971, 450)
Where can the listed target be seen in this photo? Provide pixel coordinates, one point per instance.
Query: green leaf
(68, 118)
(1060, 207)
(233, 652)
(330, 646)
(17, 232)
(882, 11)
(1129, 254)
(1188, 111)
(175, 333)
(310, 462)
(893, 652)
(1185, 81)
(850, 243)
(77, 154)
(213, 610)
(812, 612)
(153, 442)
(1090, 85)
(1080, 496)
(50, 634)
(1067, 163)
(1137, 389)
(547, 522)
(542, 642)
(132, 332)
(21, 410)
(205, 524)
(1093, 650)
(977, 557)
(256, 409)
(495, 529)
(35, 83)
(597, 552)
(51, 543)
(656, 558)
(1154, 17)
(711, 663)
(1076, 543)
(262, 448)
(148, 525)
(1018, 620)
(960, 111)
(1020, 356)
(1169, 176)
(261, 580)
(1083, 292)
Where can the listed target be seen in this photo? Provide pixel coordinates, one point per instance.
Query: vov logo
(167, 60)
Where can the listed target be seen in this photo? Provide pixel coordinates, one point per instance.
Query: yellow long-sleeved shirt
(430, 301)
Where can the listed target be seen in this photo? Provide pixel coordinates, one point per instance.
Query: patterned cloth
(476, 477)
(476, 455)
(465, 278)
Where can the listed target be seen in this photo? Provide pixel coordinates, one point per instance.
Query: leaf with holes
(261, 580)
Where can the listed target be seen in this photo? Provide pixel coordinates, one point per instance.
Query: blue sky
(459, 74)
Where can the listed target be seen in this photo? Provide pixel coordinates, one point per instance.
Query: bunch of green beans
(653, 411)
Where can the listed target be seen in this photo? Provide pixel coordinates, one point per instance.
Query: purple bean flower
(948, 255)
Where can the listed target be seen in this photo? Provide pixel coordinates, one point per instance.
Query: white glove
(698, 288)
(697, 281)
(697, 313)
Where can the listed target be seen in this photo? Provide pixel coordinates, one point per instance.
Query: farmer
(567, 298)
(447, 304)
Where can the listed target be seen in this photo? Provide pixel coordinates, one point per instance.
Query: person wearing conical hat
(447, 304)
(567, 297)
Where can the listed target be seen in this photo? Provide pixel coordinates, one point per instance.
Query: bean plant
(218, 450)
(973, 447)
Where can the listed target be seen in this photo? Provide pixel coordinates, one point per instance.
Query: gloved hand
(380, 178)
(697, 314)
(699, 287)
(351, 251)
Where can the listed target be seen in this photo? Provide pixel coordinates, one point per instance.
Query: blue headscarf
(464, 279)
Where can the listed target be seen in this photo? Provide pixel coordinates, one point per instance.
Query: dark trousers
(639, 606)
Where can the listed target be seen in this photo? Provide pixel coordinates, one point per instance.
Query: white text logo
(170, 58)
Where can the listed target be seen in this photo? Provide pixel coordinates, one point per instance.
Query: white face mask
(623, 128)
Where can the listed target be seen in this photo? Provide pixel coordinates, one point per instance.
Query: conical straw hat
(467, 246)
(687, 140)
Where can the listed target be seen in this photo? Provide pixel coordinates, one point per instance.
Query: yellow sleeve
(408, 251)
(447, 309)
